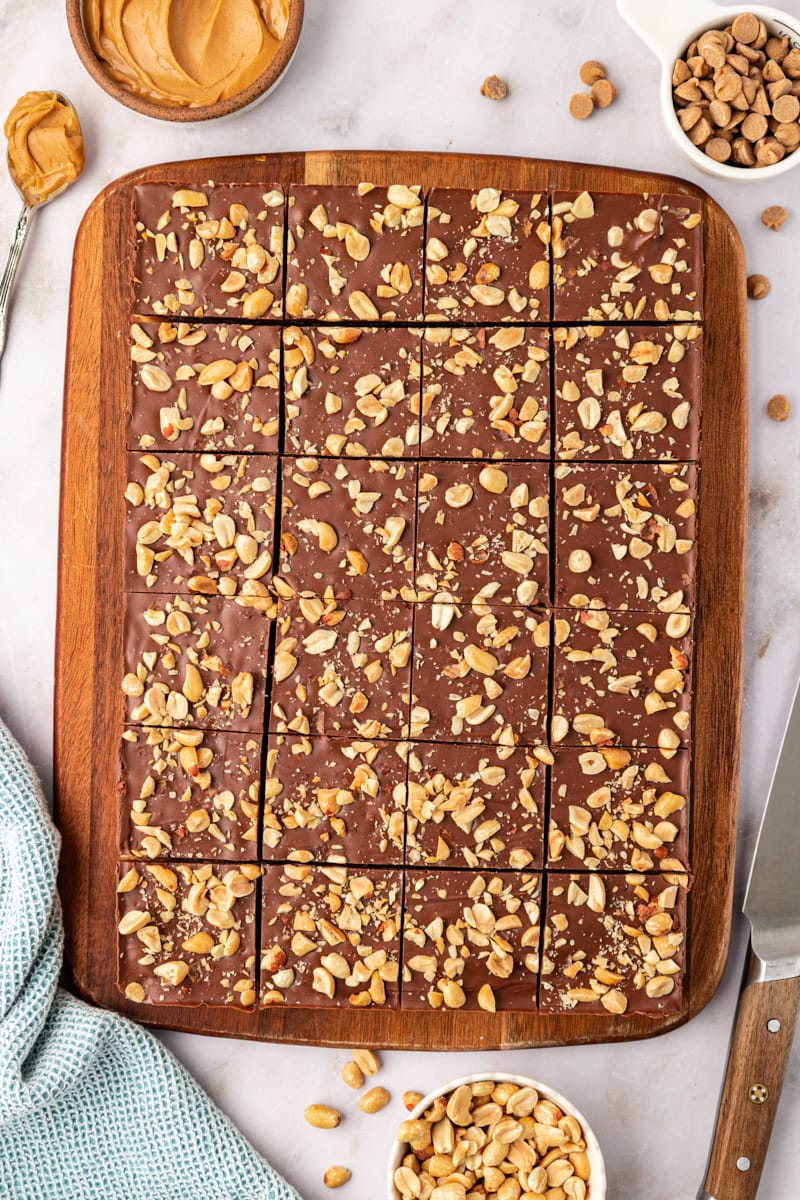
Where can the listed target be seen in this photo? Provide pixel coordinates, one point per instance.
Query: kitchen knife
(767, 1011)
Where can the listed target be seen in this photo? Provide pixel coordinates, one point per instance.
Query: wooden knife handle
(763, 1031)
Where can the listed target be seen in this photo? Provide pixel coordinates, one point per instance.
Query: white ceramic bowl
(667, 27)
(597, 1179)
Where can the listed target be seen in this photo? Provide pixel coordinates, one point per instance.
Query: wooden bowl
(248, 97)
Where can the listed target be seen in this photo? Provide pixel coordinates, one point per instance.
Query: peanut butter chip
(603, 93)
(758, 287)
(581, 106)
(773, 216)
(591, 71)
(778, 407)
(786, 108)
(494, 88)
(754, 127)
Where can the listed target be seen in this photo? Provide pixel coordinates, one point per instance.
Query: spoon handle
(12, 262)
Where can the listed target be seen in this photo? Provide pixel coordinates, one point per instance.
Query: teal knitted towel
(91, 1106)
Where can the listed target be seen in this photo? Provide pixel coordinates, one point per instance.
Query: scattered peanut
(374, 1100)
(334, 1177)
(494, 87)
(773, 216)
(778, 407)
(367, 1060)
(353, 1075)
(411, 1100)
(758, 287)
(322, 1116)
(735, 94)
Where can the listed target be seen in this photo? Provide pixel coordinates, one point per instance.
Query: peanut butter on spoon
(45, 156)
(185, 53)
(45, 145)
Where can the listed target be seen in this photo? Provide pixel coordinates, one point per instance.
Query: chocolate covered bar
(189, 794)
(355, 253)
(487, 256)
(187, 934)
(621, 257)
(212, 251)
(614, 944)
(204, 387)
(471, 941)
(330, 936)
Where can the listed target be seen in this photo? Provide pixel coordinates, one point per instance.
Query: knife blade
(771, 904)
(769, 999)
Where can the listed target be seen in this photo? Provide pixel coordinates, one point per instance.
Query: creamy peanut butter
(45, 145)
(185, 52)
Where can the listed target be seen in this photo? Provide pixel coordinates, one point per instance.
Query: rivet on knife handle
(762, 1039)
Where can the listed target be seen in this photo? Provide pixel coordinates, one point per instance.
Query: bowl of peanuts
(506, 1135)
(730, 82)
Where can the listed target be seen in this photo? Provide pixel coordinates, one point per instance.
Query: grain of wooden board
(90, 611)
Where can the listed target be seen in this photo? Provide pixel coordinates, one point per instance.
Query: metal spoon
(18, 240)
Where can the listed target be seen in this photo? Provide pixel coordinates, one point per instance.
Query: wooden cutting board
(90, 607)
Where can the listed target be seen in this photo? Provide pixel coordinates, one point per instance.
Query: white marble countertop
(373, 74)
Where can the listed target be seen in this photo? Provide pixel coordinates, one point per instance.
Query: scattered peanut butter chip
(581, 106)
(773, 216)
(494, 87)
(591, 71)
(603, 93)
(778, 407)
(758, 287)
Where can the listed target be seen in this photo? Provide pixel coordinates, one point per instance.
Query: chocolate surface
(480, 674)
(348, 526)
(614, 944)
(187, 934)
(619, 810)
(483, 531)
(342, 670)
(622, 678)
(208, 250)
(486, 392)
(355, 253)
(350, 544)
(200, 522)
(204, 387)
(626, 257)
(474, 806)
(334, 799)
(471, 941)
(352, 393)
(628, 394)
(194, 661)
(486, 255)
(625, 535)
(189, 793)
(330, 936)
